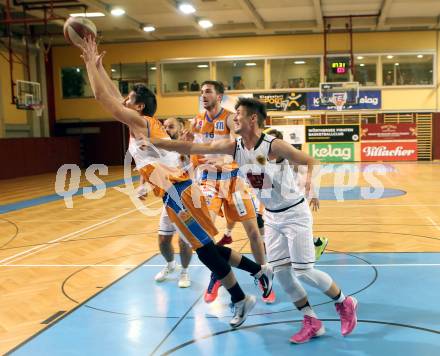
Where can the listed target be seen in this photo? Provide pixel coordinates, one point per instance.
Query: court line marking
(80, 232)
(201, 265)
(433, 223)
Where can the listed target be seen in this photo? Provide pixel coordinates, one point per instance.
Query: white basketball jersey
(274, 183)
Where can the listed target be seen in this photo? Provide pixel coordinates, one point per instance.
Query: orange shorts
(232, 194)
(185, 205)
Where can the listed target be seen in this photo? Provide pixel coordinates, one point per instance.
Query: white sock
(340, 299)
(228, 232)
(184, 270)
(172, 264)
(309, 311)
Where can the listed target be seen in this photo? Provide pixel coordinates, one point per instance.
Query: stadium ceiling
(230, 17)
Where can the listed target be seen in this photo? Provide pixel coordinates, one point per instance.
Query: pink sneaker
(312, 327)
(347, 312)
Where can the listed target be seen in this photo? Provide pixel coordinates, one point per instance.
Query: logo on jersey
(261, 160)
(219, 125)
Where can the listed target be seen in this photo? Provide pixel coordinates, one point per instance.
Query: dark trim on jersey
(260, 140)
(302, 263)
(235, 149)
(215, 117)
(270, 146)
(284, 209)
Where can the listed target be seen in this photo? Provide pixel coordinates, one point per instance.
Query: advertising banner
(389, 151)
(375, 132)
(332, 133)
(289, 101)
(368, 99)
(332, 152)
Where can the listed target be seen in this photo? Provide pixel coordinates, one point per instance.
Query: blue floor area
(399, 314)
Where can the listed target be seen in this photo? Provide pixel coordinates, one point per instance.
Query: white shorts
(288, 237)
(166, 227)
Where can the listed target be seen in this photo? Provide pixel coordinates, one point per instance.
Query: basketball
(77, 28)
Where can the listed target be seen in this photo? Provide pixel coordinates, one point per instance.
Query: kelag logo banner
(332, 152)
(290, 101)
(368, 99)
(332, 133)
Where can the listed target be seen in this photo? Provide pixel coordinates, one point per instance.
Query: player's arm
(111, 87)
(107, 101)
(281, 149)
(189, 148)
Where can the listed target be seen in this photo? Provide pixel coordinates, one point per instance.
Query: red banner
(389, 151)
(375, 132)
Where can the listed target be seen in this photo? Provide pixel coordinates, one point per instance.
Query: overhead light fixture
(420, 56)
(360, 57)
(78, 70)
(113, 70)
(149, 28)
(251, 64)
(202, 66)
(205, 23)
(390, 57)
(117, 11)
(396, 64)
(362, 64)
(187, 8)
(153, 68)
(300, 62)
(88, 14)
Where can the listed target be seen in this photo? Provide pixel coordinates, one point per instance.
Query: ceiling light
(251, 64)
(202, 66)
(205, 23)
(153, 68)
(360, 57)
(149, 28)
(187, 8)
(362, 64)
(113, 70)
(390, 57)
(300, 62)
(87, 14)
(117, 11)
(420, 56)
(396, 64)
(78, 70)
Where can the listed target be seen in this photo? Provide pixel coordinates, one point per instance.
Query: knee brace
(290, 284)
(211, 258)
(315, 278)
(225, 252)
(260, 221)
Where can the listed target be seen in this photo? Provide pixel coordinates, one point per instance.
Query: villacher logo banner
(389, 151)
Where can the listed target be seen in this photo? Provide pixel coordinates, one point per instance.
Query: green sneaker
(320, 245)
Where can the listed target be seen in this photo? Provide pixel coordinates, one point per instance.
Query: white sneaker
(241, 310)
(162, 275)
(184, 281)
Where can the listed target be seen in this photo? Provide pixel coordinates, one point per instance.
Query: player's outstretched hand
(89, 50)
(186, 135)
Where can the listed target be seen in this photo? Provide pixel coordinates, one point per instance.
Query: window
(295, 73)
(124, 75)
(184, 77)
(241, 74)
(414, 69)
(365, 70)
(338, 69)
(75, 83)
